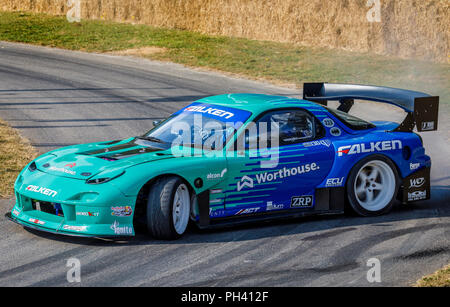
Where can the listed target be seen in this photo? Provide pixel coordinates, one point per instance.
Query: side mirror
(156, 122)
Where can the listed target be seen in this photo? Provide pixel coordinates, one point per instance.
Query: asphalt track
(57, 98)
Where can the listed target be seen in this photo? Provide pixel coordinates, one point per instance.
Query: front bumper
(58, 225)
(83, 210)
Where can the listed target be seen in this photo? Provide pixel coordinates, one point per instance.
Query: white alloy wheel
(375, 185)
(181, 208)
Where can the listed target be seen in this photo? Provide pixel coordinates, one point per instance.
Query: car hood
(88, 160)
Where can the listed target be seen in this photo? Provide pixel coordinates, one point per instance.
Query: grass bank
(276, 62)
(15, 153)
(439, 279)
(415, 29)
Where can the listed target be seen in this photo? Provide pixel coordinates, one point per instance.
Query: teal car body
(95, 189)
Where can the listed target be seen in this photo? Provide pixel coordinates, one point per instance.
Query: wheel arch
(142, 197)
(397, 168)
(369, 157)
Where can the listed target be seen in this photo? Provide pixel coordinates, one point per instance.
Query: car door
(281, 173)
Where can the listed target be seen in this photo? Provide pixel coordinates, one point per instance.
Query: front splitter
(24, 224)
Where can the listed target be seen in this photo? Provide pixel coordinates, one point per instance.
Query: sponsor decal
(271, 206)
(70, 165)
(247, 211)
(335, 182)
(215, 213)
(41, 190)
(210, 110)
(335, 131)
(326, 143)
(414, 166)
(211, 176)
(418, 195)
(236, 117)
(328, 122)
(416, 183)
(75, 228)
(368, 148)
(427, 126)
(15, 212)
(121, 230)
(285, 172)
(302, 201)
(36, 221)
(292, 139)
(121, 211)
(87, 213)
(62, 170)
(246, 181)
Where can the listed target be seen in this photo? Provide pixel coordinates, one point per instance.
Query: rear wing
(422, 108)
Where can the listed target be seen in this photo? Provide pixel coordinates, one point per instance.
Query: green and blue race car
(235, 158)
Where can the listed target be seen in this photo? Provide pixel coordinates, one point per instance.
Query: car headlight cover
(104, 177)
(32, 167)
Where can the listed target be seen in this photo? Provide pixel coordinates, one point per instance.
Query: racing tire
(168, 208)
(372, 186)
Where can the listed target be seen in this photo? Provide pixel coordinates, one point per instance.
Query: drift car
(216, 162)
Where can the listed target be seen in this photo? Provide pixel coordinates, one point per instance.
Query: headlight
(103, 177)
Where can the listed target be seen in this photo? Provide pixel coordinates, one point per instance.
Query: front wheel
(168, 208)
(372, 186)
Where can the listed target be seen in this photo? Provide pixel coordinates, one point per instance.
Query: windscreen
(198, 125)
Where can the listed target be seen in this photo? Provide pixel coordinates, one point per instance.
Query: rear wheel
(168, 208)
(372, 186)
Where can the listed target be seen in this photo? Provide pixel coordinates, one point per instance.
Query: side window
(294, 126)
